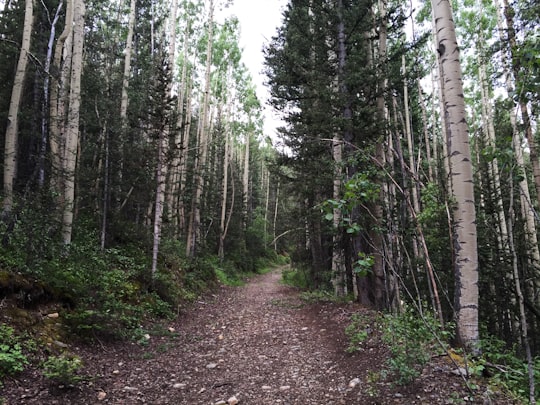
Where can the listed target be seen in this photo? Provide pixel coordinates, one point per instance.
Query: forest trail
(257, 344)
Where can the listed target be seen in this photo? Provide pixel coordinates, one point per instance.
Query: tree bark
(461, 170)
(10, 147)
(193, 237)
(72, 133)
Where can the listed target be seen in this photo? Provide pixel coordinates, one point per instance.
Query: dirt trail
(259, 343)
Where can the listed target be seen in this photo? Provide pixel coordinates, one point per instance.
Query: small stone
(398, 395)
(285, 387)
(60, 344)
(305, 328)
(130, 389)
(233, 400)
(116, 372)
(220, 402)
(354, 382)
(53, 315)
(211, 365)
(101, 395)
(172, 330)
(460, 371)
(179, 386)
(266, 387)
(201, 390)
(147, 336)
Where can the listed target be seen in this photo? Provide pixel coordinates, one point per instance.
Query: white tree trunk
(204, 129)
(10, 148)
(461, 170)
(72, 133)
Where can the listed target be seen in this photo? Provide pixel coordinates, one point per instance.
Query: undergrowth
(413, 340)
(409, 338)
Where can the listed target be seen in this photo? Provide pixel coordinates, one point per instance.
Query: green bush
(510, 371)
(409, 338)
(412, 342)
(295, 277)
(12, 359)
(357, 331)
(63, 369)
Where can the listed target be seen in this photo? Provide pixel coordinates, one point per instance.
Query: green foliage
(357, 332)
(295, 277)
(323, 296)
(12, 358)
(63, 369)
(411, 341)
(359, 190)
(506, 368)
(364, 265)
(409, 337)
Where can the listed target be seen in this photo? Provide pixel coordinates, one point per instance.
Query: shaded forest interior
(137, 173)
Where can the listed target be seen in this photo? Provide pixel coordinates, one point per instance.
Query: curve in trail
(259, 343)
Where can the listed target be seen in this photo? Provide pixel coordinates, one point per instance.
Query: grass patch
(232, 280)
(295, 278)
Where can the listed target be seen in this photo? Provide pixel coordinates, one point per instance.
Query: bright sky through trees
(259, 20)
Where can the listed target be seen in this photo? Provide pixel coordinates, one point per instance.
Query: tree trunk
(193, 237)
(45, 106)
(58, 102)
(10, 148)
(225, 189)
(245, 180)
(461, 170)
(160, 194)
(72, 133)
(124, 99)
(338, 255)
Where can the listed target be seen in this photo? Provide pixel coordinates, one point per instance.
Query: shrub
(295, 278)
(411, 341)
(12, 359)
(409, 338)
(63, 369)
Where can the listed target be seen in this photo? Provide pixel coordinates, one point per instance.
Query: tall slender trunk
(180, 152)
(225, 188)
(10, 147)
(58, 102)
(245, 181)
(182, 214)
(464, 212)
(527, 208)
(45, 104)
(515, 65)
(72, 133)
(193, 237)
(276, 210)
(521, 301)
(124, 98)
(160, 194)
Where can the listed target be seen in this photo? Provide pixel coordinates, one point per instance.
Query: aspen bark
(193, 237)
(10, 146)
(464, 212)
(245, 179)
(45, 106)
(58, 102)
(180, 151)
(72, 132)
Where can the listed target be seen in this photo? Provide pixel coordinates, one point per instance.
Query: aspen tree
(72, 127)
(461, 171)
(10, 146)
(193, 234)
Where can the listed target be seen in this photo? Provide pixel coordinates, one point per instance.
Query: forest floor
(257, 344)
